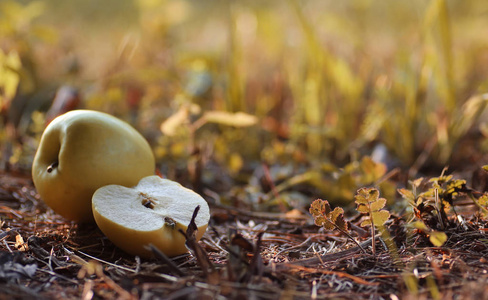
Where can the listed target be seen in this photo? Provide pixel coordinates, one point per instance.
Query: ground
(244, 254)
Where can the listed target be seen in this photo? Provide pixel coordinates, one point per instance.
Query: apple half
(149, 213)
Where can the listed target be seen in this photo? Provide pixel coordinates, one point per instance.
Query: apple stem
(52, 166)
(170, 222)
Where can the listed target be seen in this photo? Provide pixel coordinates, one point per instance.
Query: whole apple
(83, 150)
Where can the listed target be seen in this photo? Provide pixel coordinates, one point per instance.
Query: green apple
(83, 150)
(149, 213)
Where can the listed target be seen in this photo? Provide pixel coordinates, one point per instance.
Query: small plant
(339, 184)
(423, 208)
(437, 238)
(439, 198)
(370, 203)
(482, 203)
(330, 219)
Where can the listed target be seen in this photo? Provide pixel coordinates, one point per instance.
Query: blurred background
(273, 94)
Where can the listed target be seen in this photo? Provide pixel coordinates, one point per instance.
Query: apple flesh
(149, 213)
(83, 150)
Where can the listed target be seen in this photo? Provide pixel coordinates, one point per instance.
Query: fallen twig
(328, 272)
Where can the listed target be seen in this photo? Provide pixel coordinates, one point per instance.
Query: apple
(149, 213)
(83, 150)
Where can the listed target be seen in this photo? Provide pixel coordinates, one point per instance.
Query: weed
(330, 219)
(369, 203)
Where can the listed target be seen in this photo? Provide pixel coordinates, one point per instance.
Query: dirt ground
(243, 255)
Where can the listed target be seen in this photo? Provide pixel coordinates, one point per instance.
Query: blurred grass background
(328, 81)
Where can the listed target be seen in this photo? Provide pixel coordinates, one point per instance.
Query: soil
(243, 255)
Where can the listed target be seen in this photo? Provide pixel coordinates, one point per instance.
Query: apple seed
(146, 201)
(52, 166)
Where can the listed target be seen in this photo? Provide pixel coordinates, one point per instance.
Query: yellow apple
(83, 150)
(149, 213)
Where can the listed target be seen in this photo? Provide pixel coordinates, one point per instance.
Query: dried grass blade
(336, 273)
(160, 255)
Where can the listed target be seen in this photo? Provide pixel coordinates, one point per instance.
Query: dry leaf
(171, 125)
(20, 244)
(238, 119)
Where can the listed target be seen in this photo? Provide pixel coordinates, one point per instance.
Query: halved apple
(149, 213)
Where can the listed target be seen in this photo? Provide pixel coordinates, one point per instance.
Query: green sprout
(370, 203)
(422, 208)
(481, 202)
(330, 219)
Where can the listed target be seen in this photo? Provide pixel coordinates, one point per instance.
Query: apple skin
(120, 214)
(89, 149)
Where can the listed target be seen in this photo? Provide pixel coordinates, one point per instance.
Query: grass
(339, 75)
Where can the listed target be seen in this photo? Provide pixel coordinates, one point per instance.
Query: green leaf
(362, 208)
(437, 238)
(374, 194)
(454, 186)
(336, 213)
(319, 220)
(380, 217)
(483, 200)
(372, 168)
(420, 225)
(446, 204)
(321, 211)
(416, 183)
(320, 207)
(315, 207)
(366, 195)
(378, 204)
(441, 179)
(328, 224)
(323, 216)
(365, 222)
(407, 194)
(361, 196)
